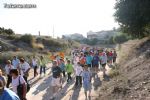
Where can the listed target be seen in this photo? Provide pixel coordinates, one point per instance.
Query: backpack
(20, 89)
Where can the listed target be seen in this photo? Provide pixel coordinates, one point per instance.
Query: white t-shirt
(34, 62)
(77, 59)
(8, 68)
(24, 67)
(15, 82)
(78, 70)
(103, 59)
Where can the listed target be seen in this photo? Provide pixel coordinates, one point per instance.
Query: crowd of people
(82, 64)
(17, 73)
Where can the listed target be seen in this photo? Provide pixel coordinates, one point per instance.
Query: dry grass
(113, 73)
(37, 45)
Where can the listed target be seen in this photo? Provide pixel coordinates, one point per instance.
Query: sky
(66, 16)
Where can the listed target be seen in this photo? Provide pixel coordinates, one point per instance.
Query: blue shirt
(62, 66)
(89, 59)
(8, 95)
(95, 60)
(15, 63)
(86, 77)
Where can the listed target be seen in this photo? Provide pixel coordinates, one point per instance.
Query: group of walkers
(82, 64)
(17, 73)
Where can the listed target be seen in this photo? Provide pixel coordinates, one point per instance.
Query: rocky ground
(133, 81)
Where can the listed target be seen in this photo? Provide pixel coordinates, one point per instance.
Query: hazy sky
(67, 16)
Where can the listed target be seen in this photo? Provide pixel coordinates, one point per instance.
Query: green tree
(27, 38)
(9, 31)
(111, 40)
(121, 38)
(133, 16)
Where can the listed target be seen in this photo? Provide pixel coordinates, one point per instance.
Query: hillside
(28, 45)
(132, 79)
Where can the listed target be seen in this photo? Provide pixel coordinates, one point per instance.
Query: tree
(120, 38)
(111, 40)
(9, 31)
(27, 38)
(6, 31)
(133, 16)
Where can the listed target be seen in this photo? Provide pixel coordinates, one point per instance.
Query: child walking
(62, 66)
(69, 69)
(78, 73)
(87, 81)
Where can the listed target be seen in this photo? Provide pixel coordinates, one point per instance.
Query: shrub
(113, 73)
(6, 31)
(27, 38)
(12, 37)
(9, 31)
(147, 54)
(121, 38)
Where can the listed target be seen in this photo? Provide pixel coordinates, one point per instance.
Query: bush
(113, 73)
(12, 37)
(121, 38)
(9, 31)
(6, 31)
(27, 38)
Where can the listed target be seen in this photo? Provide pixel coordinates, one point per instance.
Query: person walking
(7, 94)
(110, 58)
(89, 60)
(63, 67)
(86, 75)
(15, 62)
(24, 69)
(18, 84)
(103, 60)
(56, 79)
(78, 73)
(42, 66)
(82, 60)
(8, 68)
(96, 63)
(2, 77)
(114, 56)
(35, 65)
(69, 69)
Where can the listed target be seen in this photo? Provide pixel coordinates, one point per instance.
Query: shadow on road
(61, 92)
(75, 94)
(97, 83)
(43, 85)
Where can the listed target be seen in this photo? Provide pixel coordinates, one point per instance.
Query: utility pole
(53, 32)
(39, 33)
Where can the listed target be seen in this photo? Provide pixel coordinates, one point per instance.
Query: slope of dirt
(133, 81)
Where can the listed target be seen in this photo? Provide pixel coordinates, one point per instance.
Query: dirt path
(42, 90)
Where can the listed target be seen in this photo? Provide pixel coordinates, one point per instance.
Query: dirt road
(41, 90)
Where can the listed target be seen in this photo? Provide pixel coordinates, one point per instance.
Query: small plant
(147, 54)
(113, 73)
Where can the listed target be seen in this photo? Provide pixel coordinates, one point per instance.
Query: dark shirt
(56, 72)
(95, 60)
